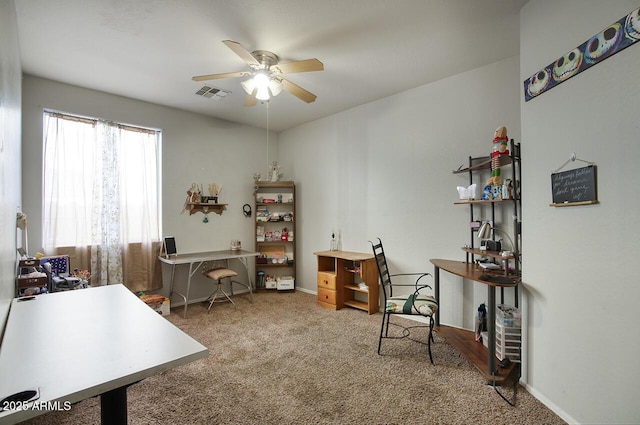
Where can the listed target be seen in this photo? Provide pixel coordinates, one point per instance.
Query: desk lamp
(485, 232)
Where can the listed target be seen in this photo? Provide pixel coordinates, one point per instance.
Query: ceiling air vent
(212, 93)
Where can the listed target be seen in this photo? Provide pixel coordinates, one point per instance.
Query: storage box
(29, 262)
(508, 333)
(270, 283)
(507, 315)
(508, 341)
(285, 283)
(28, 282)
(274, 254)
(158, 303)
(512, 353)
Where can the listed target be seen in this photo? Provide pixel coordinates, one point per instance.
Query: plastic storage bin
(508, 333)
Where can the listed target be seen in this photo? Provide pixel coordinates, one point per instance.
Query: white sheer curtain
(101, 195)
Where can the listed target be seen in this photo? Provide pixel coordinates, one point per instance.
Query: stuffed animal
(500, 140)
(486, 193)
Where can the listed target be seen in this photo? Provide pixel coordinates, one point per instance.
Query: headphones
(246, 210)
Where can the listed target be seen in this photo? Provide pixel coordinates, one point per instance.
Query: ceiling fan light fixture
(262, 93)
(275, 87)
(248, 85)
(266, 70)
(261, 79)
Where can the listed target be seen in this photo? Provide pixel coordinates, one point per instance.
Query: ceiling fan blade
(219, 76)
(298, 91)
(244, 54)
(250, 100)
(299, 66)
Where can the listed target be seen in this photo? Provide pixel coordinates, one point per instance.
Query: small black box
(490, 245)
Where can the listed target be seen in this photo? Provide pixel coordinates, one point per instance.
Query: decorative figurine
(274, 171)
(500, 140)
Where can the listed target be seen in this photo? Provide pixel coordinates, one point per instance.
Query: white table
(79, 344)
(197, 259)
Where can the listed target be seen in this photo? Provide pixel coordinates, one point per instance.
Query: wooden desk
(482, 358)
(336, 286)
(79, 344)
(197, 259)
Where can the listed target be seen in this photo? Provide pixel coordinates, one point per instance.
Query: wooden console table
(337, 285)
(484, 359)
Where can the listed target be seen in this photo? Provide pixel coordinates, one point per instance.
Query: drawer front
(326, 280)
(32, 262)
(326, 296)
(28, 282)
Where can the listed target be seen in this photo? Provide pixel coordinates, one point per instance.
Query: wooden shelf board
(357, 304)
(481, 201)
(492, 254)
(356, 288)
(484, 164)
(573, 204)
(464, 341)
(345, 255)
(264, 204)
(278, 184)
(195, 207)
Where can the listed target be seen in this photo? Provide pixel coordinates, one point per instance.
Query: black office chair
(417, 303)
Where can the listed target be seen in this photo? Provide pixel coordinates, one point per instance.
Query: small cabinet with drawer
(327, 296)
(347, 279)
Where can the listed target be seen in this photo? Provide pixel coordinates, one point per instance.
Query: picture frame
(169, 246)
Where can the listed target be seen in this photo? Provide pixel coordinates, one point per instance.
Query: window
(101, 187)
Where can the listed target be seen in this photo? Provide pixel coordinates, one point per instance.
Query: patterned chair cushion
(426, 305)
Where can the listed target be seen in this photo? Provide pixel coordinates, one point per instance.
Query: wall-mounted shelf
(195, 207)
(492, 254)
(482, 201)
(483, 163)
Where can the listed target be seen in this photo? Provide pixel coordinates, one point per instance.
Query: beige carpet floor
(285, 360)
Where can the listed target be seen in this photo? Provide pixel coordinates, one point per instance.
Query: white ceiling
(150, 49)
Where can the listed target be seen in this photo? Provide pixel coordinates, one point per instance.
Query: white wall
(582, 289)
(384, 169)
(195, 148)
(10, 195)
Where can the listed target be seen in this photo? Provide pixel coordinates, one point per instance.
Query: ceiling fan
(266, 74)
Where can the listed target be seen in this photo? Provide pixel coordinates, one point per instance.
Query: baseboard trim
(307, 291)
(551, 405)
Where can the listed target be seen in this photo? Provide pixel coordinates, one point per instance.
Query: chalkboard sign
(577, 187)
(169, 246)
